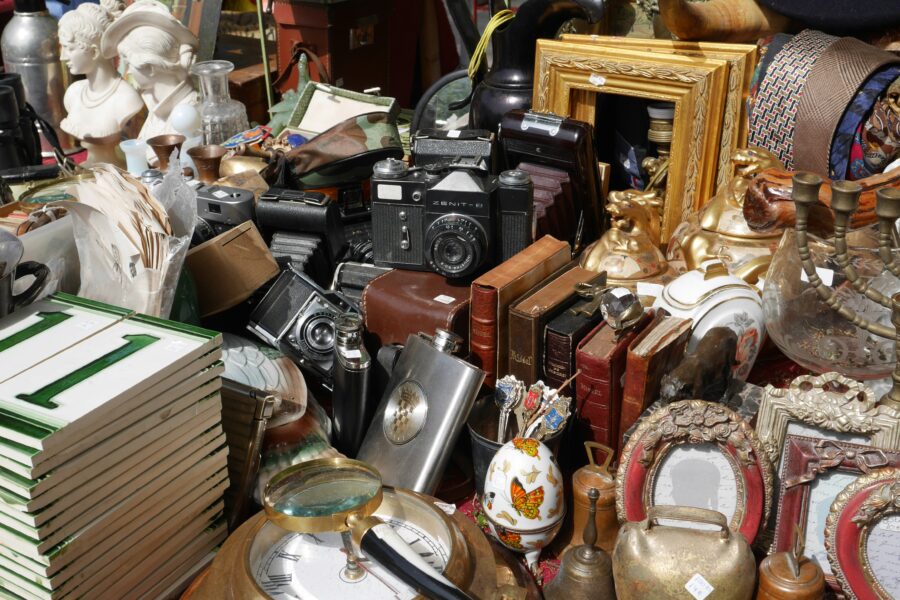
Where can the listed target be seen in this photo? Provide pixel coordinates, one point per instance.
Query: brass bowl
(163, 146)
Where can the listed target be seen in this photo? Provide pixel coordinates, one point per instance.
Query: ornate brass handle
(688, 514)
(589, 446)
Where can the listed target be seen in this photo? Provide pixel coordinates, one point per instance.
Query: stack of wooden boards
(112, 456)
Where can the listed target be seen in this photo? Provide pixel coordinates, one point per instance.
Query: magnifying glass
(341, 495)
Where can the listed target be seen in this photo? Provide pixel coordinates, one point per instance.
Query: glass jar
(220, 116)
(807, 330)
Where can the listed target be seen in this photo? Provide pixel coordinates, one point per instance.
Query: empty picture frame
(742, 60)
(568, 76)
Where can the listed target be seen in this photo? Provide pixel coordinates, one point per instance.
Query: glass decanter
(220, 116)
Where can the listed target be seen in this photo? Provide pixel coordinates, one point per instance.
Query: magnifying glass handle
(382, 544)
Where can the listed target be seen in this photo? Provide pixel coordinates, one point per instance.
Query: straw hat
(140, 13)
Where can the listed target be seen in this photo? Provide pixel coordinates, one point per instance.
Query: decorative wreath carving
(696, 422)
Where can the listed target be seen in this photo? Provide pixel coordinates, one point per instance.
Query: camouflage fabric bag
(346, 152)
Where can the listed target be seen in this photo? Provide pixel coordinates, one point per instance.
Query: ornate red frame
(805, 459)
(855, 510)
(696, 422)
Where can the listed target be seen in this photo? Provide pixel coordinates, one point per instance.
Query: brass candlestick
(844, 202)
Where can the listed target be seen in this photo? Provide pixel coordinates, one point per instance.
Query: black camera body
(297, 316)
(452, 219)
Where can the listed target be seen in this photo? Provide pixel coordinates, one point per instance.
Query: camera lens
(455, 245)
(319, 334)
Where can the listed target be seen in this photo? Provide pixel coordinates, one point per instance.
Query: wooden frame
(828, 402)
(741, 59)
(568, 75)
(853, 516)
(694, 422)
(806, 458)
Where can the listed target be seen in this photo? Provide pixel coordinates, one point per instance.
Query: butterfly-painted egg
(521, 501)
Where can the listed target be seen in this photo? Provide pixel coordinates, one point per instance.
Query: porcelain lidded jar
(523, 497)
(712, 298)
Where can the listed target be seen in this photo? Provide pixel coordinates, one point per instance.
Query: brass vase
(163, 146)
(207, 158)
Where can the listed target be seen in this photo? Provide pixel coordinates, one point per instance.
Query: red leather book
(653, 353)
(494, 292)
(601, 358)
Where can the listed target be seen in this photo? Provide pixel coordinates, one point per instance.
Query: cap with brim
(141, 13)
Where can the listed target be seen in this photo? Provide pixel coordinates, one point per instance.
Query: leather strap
(833, 82)
(773, 120)
(299, 50)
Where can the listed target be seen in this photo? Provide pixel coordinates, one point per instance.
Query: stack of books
(112, 456)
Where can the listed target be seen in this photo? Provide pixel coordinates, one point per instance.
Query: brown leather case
(494, 292)
(651, 354)
(530, 314)
(400, 303)
(561, 338)
(601, 359)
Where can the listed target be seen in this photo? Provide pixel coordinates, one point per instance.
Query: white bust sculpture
(100, 105)
(158, 51)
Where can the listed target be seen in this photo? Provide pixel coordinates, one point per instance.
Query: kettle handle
(687, 513)
(610, 453)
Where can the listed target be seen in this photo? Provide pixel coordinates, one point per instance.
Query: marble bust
(158, 52)
(99, 106)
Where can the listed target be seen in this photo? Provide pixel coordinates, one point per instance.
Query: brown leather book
(531, 313)
(601, 359)
(652, 354)
(399, 303)
(496, 290)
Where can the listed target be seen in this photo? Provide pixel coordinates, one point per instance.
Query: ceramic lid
(695, 287)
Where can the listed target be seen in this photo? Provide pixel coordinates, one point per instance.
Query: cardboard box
(230, 267)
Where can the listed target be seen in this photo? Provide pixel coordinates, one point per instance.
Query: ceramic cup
(135, 156)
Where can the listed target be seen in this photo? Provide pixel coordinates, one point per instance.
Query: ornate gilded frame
(741, 59)
(853, 515)
(806, 458)
(569, 75)
(696, 422)
(830, 402)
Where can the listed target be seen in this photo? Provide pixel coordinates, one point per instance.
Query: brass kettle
(586, 571)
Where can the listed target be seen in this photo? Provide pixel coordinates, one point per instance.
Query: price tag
(450, 509)
(444, 299)
(453, 134)
(597, 80)
(353, 353)
(699, 587)
(220, 194)
(826, 275)
(620, 292)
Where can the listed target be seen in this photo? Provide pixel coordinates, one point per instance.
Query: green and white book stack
(112, 456)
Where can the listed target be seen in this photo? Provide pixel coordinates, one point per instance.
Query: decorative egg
(523, 497)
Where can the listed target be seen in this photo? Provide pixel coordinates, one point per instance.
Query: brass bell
(585, 571)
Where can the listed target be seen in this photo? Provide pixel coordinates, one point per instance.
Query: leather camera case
(401, 303)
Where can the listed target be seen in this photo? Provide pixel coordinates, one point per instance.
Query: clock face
(288, 566)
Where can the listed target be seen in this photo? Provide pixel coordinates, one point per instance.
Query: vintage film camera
(297, 316)
(453, 220)
(219, 208)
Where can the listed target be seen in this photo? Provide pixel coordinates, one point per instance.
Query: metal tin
(652, 560)
(598, 477)
(30, 47)
(777, 580)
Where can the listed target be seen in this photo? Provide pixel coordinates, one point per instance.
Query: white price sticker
(444, 299)
(353, 353)
(699, 587)
(597, 80)
(649, 289)
(220, 194)
(453, 133)
(450, 509)
(620, 292)
(826, 275)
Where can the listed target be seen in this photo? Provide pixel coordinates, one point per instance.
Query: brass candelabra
(844, 202)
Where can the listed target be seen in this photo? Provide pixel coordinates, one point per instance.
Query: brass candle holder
(844, 203)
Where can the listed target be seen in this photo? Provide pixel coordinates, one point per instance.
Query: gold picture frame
(742, 60)
(834, 406)
(569, 75)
